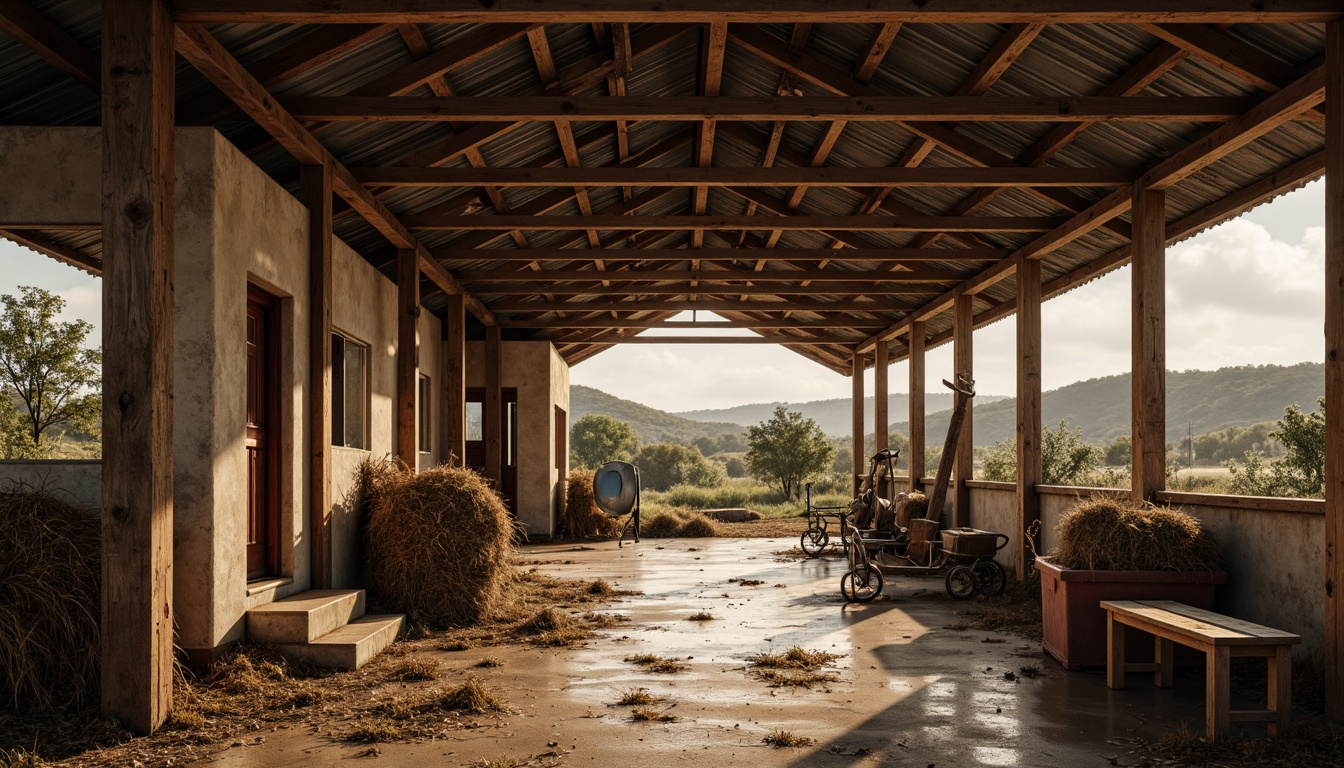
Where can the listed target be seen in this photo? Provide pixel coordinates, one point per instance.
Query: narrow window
(349, 393)
(424, 414)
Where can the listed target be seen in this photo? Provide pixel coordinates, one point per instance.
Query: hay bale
(913, 506)
(1107, 534)
(582, 517)
(438, 543)
(50, 578)
(697, 526)
(661, 525)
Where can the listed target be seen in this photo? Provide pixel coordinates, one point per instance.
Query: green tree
(788, 449)
(735, 466)
(1065, 458)
(597, 438)
(44, 364)
(663, 465)
(1302, 468)
(1119, 452)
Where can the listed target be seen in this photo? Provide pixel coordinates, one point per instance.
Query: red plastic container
(1075, 624)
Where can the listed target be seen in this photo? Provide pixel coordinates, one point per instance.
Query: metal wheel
(960, 583)
(862, 584)
(989, 578)
(813, 541)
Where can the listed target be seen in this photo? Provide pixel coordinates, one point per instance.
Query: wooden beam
(863, 255)
(1148, 339)
(917, 439)
(730, 222)
(408, 353)
(455, 382)
(794, 323)
(858, 289)
(881, 419)
(137, 517)
(37, 241)
(876, 51)
(856, 421)
(709, 275)
(493, 410)
(707, 305)
(420, 72)
(1049, 109)
(963, 363)
(780, 340)
(824, 176)
(1334, 373)
(39, 34)
(315, 192)
(750, 11)
(1029, 465)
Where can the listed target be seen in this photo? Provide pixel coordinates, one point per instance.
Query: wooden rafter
(876, 255)
(39, 34)
(722, 222)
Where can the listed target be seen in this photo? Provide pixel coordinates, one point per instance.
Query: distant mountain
(651, 424)
(833, 416)
(1212, 400)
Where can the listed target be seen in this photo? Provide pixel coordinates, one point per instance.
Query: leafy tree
(663, 465)
(1065, 458)
(597, 438)
(43, 363)
(1119, 452)
(788, 449)
(726, 443)
(1301, 471)
(14, 443)
(735, 466)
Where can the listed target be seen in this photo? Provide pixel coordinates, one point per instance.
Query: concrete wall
(78, 481)
(994, 508)
(541, 377)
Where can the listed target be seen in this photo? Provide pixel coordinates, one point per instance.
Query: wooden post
(963, 315)
(917, 439)
(1028, 406)
(137, 548)
(856, 420)
(455, 381)
(315, 192)
(408, 313)
(881, 420)
(1334, 370)
(493, 418)
(1148, 275)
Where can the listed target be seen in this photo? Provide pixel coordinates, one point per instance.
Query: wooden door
(263, 521)
(475, 442)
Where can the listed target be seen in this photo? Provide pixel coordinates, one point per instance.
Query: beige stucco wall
(59, 172)
(541, 377)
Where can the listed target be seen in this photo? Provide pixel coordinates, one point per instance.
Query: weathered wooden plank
(917, 439)
(963, 363)
(785, 255)
(455, 381)
(316, 194)
(881, 419)
(856, 366)
(792, 323)
(493, 416)
(782, 340)
(1334, 372)
(408, 364)
(1148, 339)
(25, 24)
(734, 222)
(706, 275)
(137, 530)
(613, 304)
(1029, 468)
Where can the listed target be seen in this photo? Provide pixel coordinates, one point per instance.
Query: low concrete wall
(79, 481)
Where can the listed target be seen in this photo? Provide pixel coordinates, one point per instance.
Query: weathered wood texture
(881, 419)
(963, 362)
(1334, 373)
(408, 313)
(25, 24)
(455, 381)
(316, 194)
(1148, 339)
(856, 423)
(493, 417)
(1028, 409)
(917, 436)
(138, 176)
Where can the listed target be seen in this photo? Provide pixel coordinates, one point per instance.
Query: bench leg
(1281, 690)
(1164, 653)
(1217, 693)
(1115, 653)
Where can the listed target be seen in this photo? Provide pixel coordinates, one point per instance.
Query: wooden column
(917, 438)
(455, 381)
(962, 362)
(1028, 405)
(1149, 379)
(315, 193)
(408, 313)
(1334, 370)
(137, 548)
(856, 417)
(493, 417)
(881, 420)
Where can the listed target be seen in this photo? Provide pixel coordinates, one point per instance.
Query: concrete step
(350, 646)
(304, 617)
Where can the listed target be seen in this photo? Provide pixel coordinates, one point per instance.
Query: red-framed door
(262, 445)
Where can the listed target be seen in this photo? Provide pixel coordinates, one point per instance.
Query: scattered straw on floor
(635, 697)
(1115, 535)
(782, 738)
(797, 667)
(1017, 611)
(659, 664)
(650, 715)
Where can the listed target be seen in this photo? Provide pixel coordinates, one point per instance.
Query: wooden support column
(1028, 407)
(917, 439)
(962, 325)
(315, 192)
(455, 384)
(856, 420)
(1334, 370)
(493, 418)
(881, 421)
(137, 548)
(1149, 379)
(408, 313)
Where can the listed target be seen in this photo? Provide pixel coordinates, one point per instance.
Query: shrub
(664, 465)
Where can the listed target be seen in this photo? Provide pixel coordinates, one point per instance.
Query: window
(475, 421)
(349, 393)
(424, 399)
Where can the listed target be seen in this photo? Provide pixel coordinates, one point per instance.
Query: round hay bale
(1106, 534)
(697, 526)
(50, 579)
(582, 517)
(438, 543)
(661, 525)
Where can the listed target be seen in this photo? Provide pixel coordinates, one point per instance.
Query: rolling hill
(651, 424)
(833, 416)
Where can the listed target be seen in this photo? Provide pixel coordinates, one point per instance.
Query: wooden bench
(1220, 638)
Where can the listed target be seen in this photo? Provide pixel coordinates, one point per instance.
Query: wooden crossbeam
(752, 11)
(857, 223)
(832, 176)
(709, 276)
(810, 340)
(1040, 109)
(25, 24)
(876, 255)
(864, 288)
(689, 325)
(705, 305)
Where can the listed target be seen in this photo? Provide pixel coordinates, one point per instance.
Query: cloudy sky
(1249, 291)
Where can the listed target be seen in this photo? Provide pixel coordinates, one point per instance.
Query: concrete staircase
(324, 627)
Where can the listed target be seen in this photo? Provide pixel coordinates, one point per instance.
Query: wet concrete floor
(909, 693)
